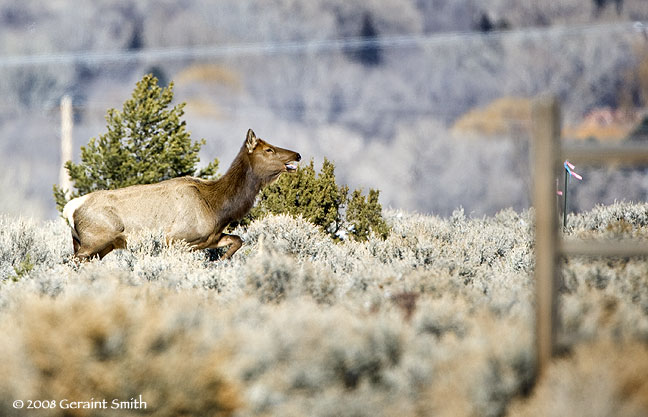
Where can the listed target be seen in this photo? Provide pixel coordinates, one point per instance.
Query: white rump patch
(71, 207)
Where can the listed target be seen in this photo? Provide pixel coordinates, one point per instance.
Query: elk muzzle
(292, 165)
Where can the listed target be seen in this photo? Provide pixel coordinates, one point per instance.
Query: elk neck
(233, 194)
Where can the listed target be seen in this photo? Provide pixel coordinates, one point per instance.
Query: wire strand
(314, 46)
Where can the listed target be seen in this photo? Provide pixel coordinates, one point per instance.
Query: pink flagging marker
(569, 167)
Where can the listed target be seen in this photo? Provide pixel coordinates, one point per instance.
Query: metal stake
(565, 201)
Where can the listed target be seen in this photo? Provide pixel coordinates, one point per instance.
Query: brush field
(436, 320)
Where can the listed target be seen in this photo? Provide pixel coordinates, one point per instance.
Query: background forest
(398, 94)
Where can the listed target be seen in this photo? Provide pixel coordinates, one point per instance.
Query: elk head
(269, 161)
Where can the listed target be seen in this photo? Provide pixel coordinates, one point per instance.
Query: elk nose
(298, 157)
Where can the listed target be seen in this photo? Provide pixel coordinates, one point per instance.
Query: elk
(186, 208)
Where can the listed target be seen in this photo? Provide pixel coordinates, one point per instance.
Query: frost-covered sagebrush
(434, 320)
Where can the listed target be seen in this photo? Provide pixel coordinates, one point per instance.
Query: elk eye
(270, 150)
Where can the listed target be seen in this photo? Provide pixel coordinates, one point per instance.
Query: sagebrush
(434, 320)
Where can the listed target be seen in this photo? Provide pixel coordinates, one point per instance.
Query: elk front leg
(233, 241)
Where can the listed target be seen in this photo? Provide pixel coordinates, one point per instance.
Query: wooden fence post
(66, 142)
(546, 154)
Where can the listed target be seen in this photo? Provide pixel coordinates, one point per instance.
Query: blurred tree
(485, 24)
(159, 73)
(640, 132)
(370, 54)
(136, 42)
(146, 143)
(600, 5)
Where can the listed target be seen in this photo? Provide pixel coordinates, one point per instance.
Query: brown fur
(190, 209)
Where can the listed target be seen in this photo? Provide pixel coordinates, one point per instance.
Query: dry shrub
(202, 82)
(299, 358)
(500, 117)
(118, 346)
(600, 308)
(478, 373)
(273, 277)
(603, 378)
(589, 129)
(209, 74)
(204, 108)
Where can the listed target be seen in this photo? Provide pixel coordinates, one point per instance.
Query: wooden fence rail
(550, 247)
(628, 154)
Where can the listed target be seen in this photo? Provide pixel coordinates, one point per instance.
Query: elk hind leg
(76, 243)
(86, 252)
(234, 242)
(100, 237)
(101, 246)
(118, 243)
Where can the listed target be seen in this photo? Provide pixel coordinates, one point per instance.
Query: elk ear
(251, 141)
